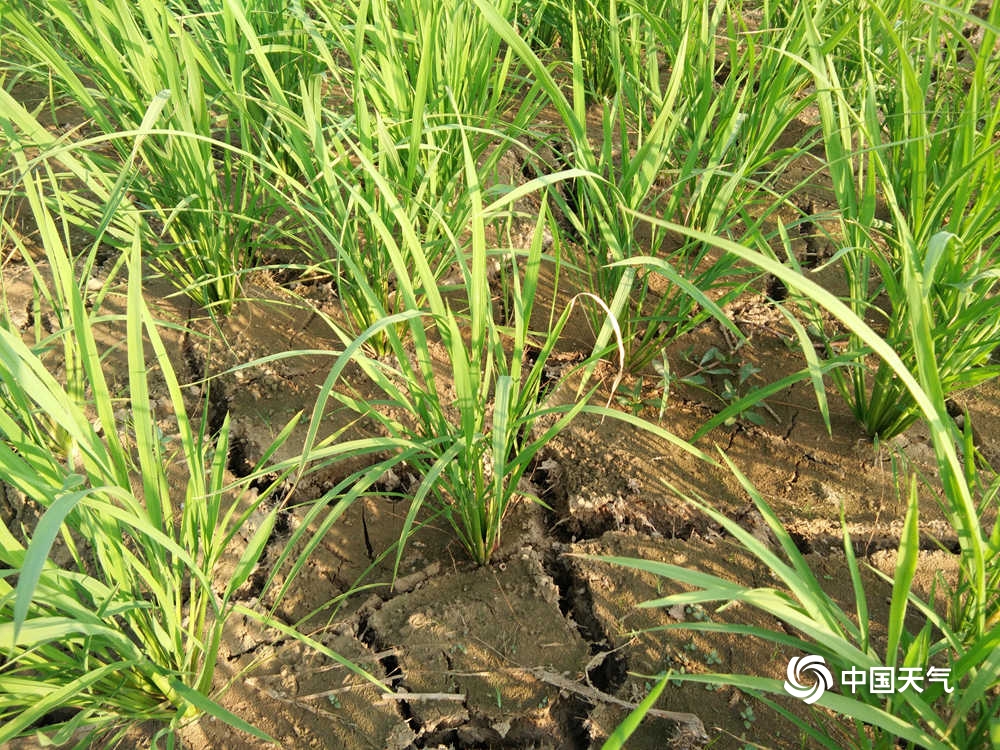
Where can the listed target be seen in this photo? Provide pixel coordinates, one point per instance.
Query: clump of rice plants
(607, 32)
(966, 638)
(420, 80)
(957, 712)
(477, 445)
(676, 144)
(211, 203)
(928, 152)
(474, 446)
(128, 630)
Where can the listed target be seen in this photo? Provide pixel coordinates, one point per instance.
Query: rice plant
(128, 630)
(967, 638)
(607, 33)
(469, 449)
(420, 82)
(929, 152)
(478, 445)
(957, 713)
(210, 202)
(677, 145)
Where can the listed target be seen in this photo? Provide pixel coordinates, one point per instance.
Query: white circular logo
(814, 665)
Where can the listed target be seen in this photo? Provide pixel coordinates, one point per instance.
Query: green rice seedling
(416, 67)
(957, 712)
(608, 33)
(335, 211)
(212, 203)
(967, 638)
(228, 218)
(128, 629)
(56, 285)
(714, 146)
(940, 173)
(590, 208)
(616, 740)
(476, 443)
(930, 154)
(723, 162)
(957, 291)
(926, 392)
(55, 297)
(415, 76)
(275, 59)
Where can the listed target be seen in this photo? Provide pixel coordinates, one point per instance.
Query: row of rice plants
(130, 630)
(927, 148)
(966, 637)
(390, 193)
(911, 140)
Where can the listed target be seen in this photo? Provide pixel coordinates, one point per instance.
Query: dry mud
(545, 647)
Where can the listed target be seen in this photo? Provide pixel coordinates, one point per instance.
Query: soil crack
(607, 669)
(791, 425)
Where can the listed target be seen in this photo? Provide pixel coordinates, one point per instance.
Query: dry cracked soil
(545, 647)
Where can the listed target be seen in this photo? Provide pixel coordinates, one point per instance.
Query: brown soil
(544, 647)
